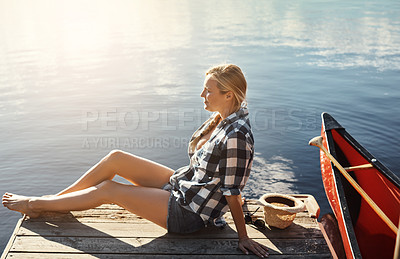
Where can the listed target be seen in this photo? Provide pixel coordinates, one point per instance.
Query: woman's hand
(235, 205)
(258, 249)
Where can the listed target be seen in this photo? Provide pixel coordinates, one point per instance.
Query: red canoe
(364, 233)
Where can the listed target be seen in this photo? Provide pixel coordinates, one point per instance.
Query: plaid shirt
(220, 167)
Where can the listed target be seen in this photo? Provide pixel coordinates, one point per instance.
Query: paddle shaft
(358, 167)
(318, 143)
(397, 246)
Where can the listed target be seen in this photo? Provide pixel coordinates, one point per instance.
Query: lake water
(80, 78)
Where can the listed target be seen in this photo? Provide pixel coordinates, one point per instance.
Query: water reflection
(273, 175)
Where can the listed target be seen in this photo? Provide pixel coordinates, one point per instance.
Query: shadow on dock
(111, 232)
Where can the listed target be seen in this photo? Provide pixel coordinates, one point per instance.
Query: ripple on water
(272, 175)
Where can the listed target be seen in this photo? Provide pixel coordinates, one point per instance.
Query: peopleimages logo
(130, 119)
(159, 129)
(116, 119)
(283, 120)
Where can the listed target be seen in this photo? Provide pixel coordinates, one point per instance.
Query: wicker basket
(280, 209)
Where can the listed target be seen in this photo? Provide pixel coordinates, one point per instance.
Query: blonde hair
(230, 77)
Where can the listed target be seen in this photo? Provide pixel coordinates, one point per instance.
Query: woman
(184, 201)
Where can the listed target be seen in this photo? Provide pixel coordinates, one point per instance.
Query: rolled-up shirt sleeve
(235, 163)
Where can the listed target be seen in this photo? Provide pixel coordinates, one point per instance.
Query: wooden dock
(109, 231)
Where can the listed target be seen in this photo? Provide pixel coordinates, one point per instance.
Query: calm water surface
(80, 78)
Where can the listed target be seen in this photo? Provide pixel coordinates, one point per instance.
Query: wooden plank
(122, 256)
(153, 230)
(117, 214)
(132, 218)
(328, 242)
(251, 202)
(313, 208)
(114, 212)
(161, 246)
(12, 238)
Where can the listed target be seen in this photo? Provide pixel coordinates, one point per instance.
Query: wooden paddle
(317, 141)
(397, 246)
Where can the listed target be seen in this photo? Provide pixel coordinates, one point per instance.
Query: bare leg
(137, 170)
(149, 203)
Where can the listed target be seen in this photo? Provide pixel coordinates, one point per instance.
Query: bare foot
(19, 203)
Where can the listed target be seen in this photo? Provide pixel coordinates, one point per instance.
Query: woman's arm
(235, 205)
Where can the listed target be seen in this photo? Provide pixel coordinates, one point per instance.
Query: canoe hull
(359, 225)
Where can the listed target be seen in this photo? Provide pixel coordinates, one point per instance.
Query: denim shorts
(179, 219)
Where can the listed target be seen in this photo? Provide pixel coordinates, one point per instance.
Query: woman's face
(214, 100)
